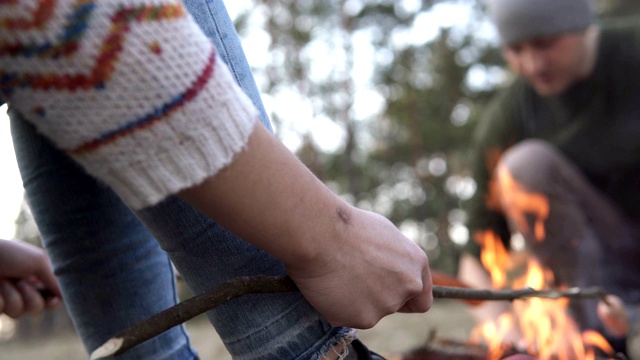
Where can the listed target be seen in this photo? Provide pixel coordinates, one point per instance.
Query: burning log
(188, 309)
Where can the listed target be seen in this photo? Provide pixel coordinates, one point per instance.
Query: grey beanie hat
(517, 20)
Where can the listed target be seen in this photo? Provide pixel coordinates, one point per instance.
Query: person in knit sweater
(565, 130)
(129, 126)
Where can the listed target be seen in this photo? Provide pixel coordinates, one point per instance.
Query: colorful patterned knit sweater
(131, 89)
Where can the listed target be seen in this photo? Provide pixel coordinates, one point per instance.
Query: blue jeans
(114, 265)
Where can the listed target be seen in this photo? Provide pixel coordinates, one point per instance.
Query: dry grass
(394, 333)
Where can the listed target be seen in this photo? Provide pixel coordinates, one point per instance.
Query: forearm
(352, 265)
(269, 198)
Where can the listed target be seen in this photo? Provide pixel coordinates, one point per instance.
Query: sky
(298, 120)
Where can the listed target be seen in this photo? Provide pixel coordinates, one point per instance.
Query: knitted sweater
(131, 89)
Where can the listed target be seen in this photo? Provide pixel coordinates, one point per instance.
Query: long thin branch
(446, 292)
(188, 309)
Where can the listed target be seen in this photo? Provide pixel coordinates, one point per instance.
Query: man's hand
(614, 316)
(24, 269)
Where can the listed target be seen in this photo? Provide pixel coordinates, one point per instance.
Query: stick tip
(107, 349)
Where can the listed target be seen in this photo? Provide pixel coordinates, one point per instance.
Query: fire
(547, 329)
(542, 327)
(518, 202)
(495, 258)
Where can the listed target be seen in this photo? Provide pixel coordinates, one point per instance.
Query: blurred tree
(405, 157)
(26, 228)
(418, 168)
(618, 9)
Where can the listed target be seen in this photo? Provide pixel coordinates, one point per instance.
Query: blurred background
(379, 98)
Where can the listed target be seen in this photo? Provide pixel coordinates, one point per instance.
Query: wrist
(317, 245)
(270, 199)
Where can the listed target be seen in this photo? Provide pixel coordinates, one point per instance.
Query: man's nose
(532, 62)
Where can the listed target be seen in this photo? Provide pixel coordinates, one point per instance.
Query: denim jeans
(115, 265)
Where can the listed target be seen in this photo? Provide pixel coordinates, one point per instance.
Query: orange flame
(543, 326)
(518, 202)
(595, 339)
(494, 257)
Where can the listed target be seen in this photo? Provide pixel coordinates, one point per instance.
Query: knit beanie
(517, 20)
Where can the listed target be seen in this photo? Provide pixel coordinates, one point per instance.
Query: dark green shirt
(595, 123)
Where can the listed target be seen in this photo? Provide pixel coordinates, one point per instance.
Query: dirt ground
(395, 333)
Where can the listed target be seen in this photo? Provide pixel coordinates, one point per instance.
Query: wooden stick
(440, 278)
(188, 309)
(445, 292)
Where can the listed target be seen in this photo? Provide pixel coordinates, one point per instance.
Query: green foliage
(427, 123)
(406, 160)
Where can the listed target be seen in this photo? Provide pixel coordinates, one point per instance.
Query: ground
(395, 333)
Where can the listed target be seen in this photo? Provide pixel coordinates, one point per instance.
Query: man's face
(550, 64)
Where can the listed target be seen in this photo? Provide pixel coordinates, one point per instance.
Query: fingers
(22, 298)
(13, 303)
(613, 315)
(48, 279)
(422, 301)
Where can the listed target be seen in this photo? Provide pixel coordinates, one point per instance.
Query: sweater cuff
(182, 150)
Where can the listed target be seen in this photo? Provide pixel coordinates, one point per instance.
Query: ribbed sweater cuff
(180, 151)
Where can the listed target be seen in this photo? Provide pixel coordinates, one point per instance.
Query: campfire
(542, 328)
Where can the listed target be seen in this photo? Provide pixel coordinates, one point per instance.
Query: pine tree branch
(188, 309)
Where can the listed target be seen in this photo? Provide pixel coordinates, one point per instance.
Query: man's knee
(531, 162)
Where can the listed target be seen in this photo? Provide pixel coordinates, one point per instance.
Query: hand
(613, 315)
(376, 271)
(24, 269)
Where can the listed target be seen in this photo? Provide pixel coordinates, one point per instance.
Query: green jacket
(595, 123)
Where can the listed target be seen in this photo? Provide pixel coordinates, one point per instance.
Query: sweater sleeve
(130, 89)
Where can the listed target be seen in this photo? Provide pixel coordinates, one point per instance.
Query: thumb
(45, 274)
